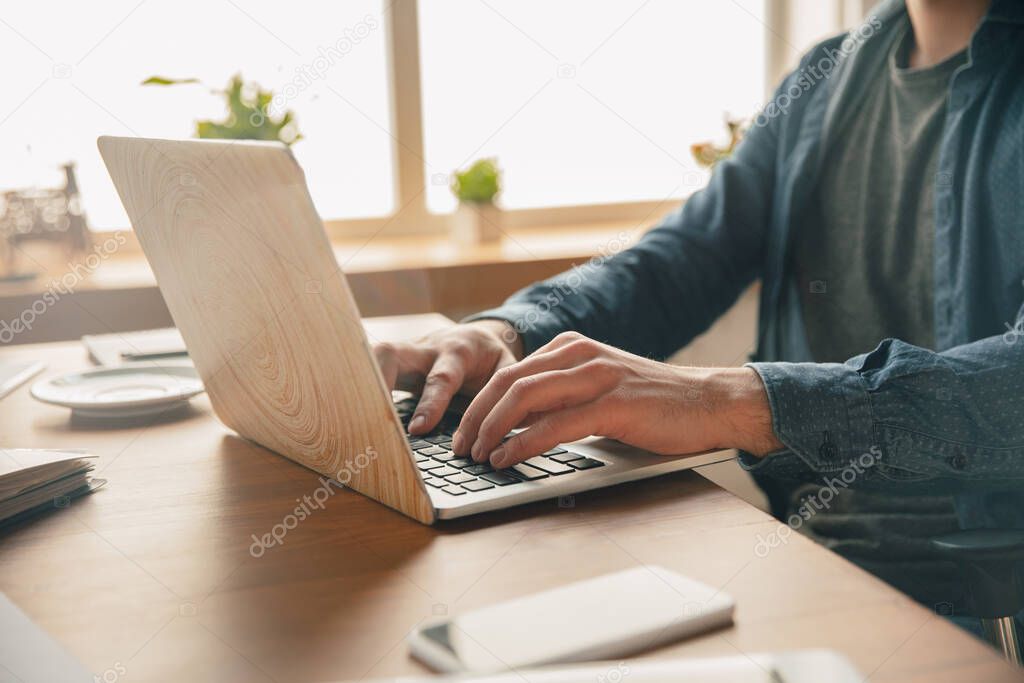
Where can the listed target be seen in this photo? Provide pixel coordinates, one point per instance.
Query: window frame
(410, 216)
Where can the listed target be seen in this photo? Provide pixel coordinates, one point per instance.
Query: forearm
(739, 406)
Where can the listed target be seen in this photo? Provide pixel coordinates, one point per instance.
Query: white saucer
(125, 391)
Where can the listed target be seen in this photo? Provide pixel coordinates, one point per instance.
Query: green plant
(480, 183)
(248, 117)
(707, 154)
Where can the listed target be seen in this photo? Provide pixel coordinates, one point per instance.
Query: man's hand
(575, 387)
(456, 359)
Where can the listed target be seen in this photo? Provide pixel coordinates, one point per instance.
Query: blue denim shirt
(948, 420)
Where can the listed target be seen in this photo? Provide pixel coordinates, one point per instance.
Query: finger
(441, 383)
(560, 426)
(563, 339)
(556, 359)
(404, 365)
(540, 393)
(387, 361)
(529, 420)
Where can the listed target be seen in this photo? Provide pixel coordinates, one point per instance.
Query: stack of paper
(33, 480)
(111, 350)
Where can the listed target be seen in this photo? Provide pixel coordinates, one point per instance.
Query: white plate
(126, 391)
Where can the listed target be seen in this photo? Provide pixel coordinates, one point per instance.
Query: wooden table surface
(152, 578)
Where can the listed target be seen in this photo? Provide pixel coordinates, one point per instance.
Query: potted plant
(249, 115)
(707, 154)
(477, 219)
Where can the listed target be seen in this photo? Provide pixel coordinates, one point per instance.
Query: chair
(989, 561)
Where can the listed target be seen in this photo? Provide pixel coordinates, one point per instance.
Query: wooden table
(152, 577)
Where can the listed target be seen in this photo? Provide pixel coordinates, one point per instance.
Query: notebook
(34, 480)
(111, 350)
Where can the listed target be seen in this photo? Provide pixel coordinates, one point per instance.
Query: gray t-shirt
(864, 260)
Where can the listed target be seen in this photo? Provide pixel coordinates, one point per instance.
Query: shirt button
(958, 462)
(828, 449)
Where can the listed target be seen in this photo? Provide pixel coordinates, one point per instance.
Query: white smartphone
(610, 616)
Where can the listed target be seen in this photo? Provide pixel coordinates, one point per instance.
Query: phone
(610, 616)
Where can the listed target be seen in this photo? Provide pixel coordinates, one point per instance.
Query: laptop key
(445, 457)
(432, 450)
(454, 490)
(477, 485)
(500, 478)
(435, 482)
(429, 465)
(421, 458)
(548, 466)
(526, 472)
(482, 468)
(418, 443)
(460, 463)
(437, 438)
(565, 457)
(444, 471)
(586, 463)
(555, 451)
(459, 478)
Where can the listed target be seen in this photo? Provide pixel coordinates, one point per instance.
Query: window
(590, 108)
(584, 102)
(80, 66)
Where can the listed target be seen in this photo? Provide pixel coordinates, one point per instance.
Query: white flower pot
(476, 223)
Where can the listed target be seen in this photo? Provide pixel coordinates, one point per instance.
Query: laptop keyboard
(456, 476)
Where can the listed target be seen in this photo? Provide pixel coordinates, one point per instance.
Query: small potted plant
(477, 219)
(249, 113)
(707, 154)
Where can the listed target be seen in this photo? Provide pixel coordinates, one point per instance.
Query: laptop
(250, 279)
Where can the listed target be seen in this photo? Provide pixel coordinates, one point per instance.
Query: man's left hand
(576, 387)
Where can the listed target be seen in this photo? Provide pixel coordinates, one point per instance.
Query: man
(879, 197)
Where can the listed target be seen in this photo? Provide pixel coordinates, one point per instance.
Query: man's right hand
(458, 359)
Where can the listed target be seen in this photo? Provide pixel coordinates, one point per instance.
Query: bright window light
(584, 102)
(74, 68)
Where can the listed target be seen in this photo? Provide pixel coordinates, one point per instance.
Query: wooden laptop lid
(250, 279)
